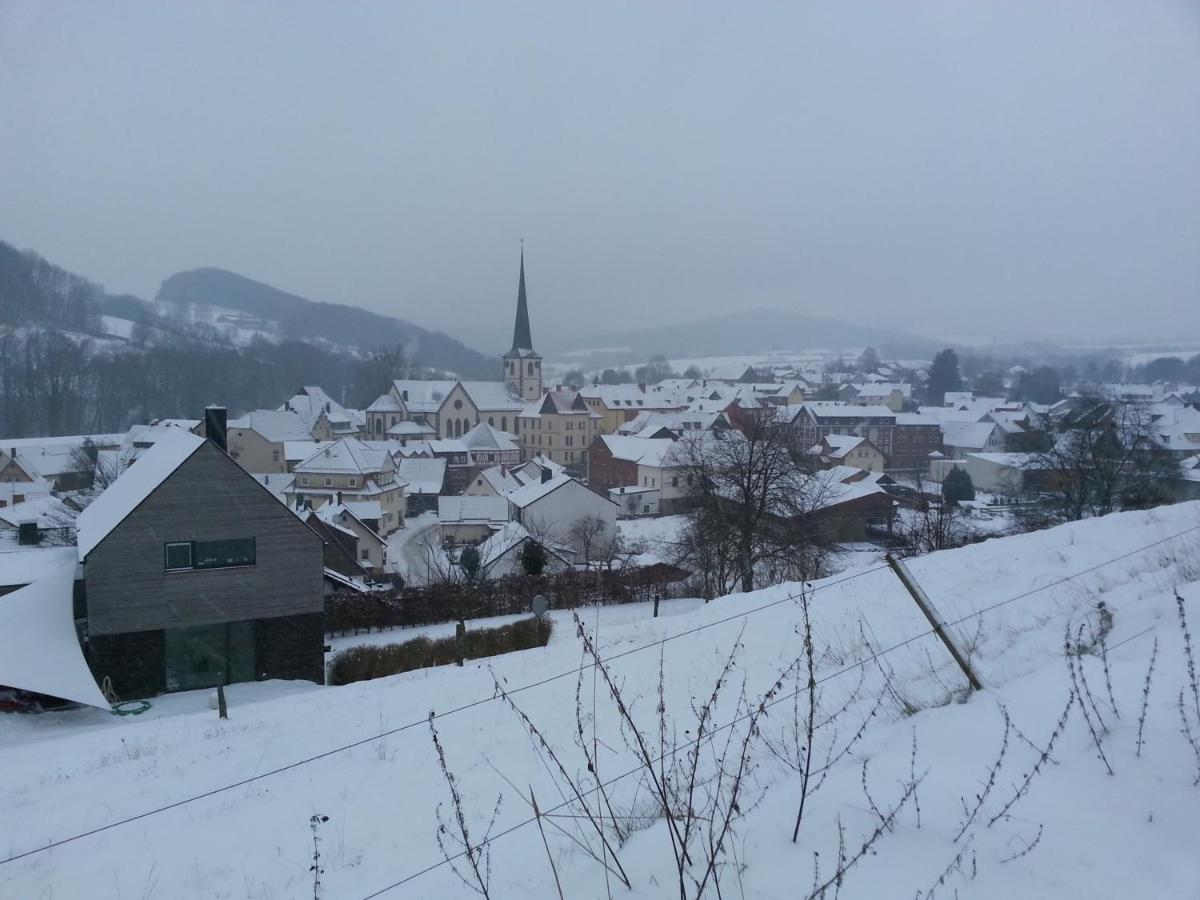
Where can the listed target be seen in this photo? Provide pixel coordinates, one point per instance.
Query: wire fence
(574, 672)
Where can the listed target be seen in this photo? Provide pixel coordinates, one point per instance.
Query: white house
(552, 509)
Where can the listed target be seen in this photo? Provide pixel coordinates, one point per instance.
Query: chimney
(339, 496)
(215, 428)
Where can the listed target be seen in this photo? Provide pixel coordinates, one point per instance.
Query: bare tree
(1104, 457)
(590, 537)
(933, 524)
(753, 510)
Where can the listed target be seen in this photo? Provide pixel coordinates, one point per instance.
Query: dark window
(179, 555)
(209, 655)
(210, 554)
(223, 554)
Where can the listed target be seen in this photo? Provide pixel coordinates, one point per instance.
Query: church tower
(522, 366)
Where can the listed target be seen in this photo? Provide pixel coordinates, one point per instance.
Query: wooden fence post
(914, 589)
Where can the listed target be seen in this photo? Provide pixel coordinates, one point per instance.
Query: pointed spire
(521, 337)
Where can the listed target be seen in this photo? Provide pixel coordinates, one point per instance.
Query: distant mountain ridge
(303, 319)
(753, 331)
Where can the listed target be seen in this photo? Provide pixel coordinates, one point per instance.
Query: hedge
(365, 663)
(350, 613)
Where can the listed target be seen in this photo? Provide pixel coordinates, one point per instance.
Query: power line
(547, 680)
(712, 732)
(413, 724)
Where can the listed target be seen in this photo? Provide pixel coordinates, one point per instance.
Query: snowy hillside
(230, 802)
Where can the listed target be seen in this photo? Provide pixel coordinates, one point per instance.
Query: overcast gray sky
(957, 167)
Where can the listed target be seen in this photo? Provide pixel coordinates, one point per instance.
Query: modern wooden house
(196, 575)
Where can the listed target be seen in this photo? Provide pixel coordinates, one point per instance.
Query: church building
(449, 409)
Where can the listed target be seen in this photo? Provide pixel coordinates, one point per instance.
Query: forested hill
(75, 359)
(302, 319)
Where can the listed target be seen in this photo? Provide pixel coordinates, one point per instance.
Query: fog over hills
(756, 330)
(300, 318)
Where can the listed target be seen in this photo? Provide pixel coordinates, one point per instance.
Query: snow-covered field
(1130, 834)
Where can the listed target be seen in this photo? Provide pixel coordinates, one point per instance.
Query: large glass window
(209, 655)
(223, 554)
(210, 554)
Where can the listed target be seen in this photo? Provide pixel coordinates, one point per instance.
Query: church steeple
(522, 366)
(521, 337)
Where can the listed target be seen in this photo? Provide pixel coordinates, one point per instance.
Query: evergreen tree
(958, 486)
(469, 561)
(944, 375)
(533, 558)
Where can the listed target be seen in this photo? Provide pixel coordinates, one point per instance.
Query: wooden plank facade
(134, 602)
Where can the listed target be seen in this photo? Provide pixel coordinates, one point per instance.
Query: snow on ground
(406, 546)
(117, 327)
(658, 533)
(1132, 834)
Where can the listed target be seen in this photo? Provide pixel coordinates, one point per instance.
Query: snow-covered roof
(508, 536)
(536, 490)
(312, 401)
(559, 403)
(836, 410)
(884, 389)
(10, 490)
(45, 509)
(916, 419)
(298, 451)
(840, 444)
(133, 486)
(385, 403)
(468, 510)
(424, 476)
(39, 648)
(502, 479)
(409, 427)
(347, 456)
(973, 435)
(491, 396)
(485, 437)
(276, 425)
(634, 449)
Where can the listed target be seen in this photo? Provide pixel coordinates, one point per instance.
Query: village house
(195, 576)
(815, 420)
(312, 404)
(500, 555)
(471, 519)
(52, 460)
(350, 470)
(424, 480)
(553, 508)
(915, 440)
(962, 438)
(620, 403)
(893, 396)
(561, 426)
(490, 446)
(256, 440)
(846, 450)
(359, 519)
